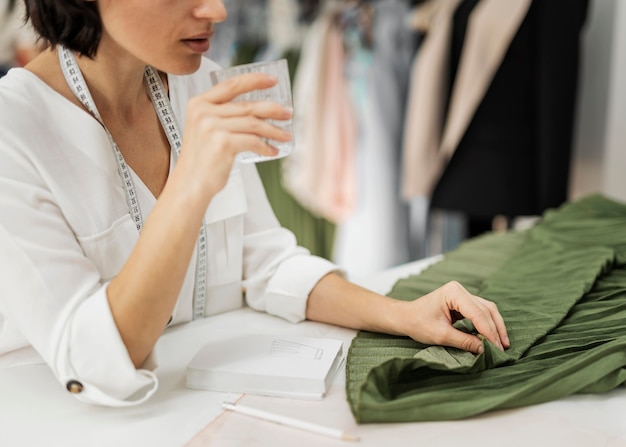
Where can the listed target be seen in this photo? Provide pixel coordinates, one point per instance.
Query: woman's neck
(116, 84)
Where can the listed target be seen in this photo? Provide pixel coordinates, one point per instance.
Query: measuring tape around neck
(163, 108)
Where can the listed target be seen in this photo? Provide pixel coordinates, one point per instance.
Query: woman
(108, 235)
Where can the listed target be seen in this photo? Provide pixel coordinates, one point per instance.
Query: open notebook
(274, 365)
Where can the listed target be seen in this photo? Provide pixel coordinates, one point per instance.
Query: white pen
(290, 422)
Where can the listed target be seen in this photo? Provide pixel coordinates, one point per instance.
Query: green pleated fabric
(561, 288)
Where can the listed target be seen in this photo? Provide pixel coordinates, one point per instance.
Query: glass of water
(279, 93)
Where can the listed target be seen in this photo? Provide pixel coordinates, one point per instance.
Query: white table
(35, 410)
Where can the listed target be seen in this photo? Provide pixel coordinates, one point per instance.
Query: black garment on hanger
(459, 27)
(514, 158)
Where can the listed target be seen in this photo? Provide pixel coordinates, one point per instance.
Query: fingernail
(480, 349)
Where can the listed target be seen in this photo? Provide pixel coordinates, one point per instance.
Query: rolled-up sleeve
(278, 274)
(77, 337)
(290, 285)
(110, 376)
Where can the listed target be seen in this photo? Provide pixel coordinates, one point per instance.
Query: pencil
(290, 422)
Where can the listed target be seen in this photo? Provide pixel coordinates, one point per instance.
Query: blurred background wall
(592, 144)
(600, 139)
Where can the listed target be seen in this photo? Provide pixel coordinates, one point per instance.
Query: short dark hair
(75, 24)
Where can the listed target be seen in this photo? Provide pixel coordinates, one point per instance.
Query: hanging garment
(432, 132)
(561, 289)
(285, 32)
(378, 77)
(320, 173)
(395, 44)
(505, 141)
(424, 119)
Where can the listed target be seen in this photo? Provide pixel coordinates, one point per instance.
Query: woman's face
(170, 35)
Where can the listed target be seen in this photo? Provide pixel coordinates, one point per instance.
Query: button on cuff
(74, 386)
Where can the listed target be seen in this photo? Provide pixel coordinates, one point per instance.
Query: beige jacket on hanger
(430, 137)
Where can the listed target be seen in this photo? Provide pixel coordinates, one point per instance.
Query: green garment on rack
(312, 232)
(561, 288)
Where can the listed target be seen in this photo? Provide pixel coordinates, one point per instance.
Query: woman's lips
(200, 45)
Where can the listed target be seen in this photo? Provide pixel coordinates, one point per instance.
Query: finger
(259, 109)
(486, 327)
(248, 142)
(481, 318)
(463, 340)
(229, 89)
(254, 126)
(260, 147)
(498, 320)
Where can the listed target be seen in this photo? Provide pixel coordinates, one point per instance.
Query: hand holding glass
(279, 93)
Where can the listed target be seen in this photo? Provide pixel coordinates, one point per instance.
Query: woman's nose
(211, 9)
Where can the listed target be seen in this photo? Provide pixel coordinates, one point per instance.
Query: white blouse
(65, 232)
